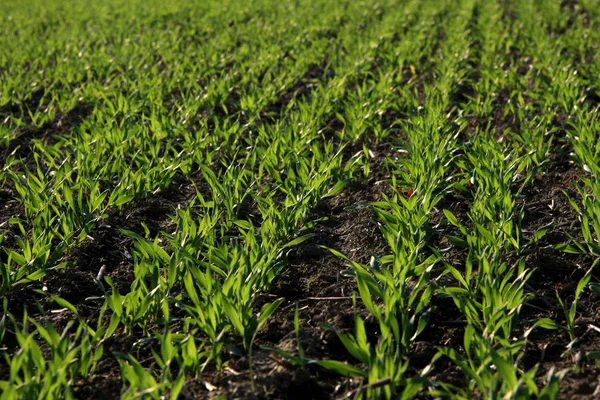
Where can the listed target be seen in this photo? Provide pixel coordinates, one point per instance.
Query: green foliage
(249, 118)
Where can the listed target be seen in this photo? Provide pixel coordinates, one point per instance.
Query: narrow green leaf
(341, 368)
(298, 240)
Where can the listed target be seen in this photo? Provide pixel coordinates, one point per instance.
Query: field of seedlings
(300, 199)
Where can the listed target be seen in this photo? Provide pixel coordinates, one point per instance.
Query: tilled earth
(314, 280)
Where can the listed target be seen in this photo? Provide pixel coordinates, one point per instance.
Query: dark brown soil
(314, 279)
(21, 146)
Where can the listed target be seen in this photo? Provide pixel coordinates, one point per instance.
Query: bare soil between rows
(313, 279)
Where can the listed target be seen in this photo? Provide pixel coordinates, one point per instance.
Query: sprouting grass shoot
(291, 199)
